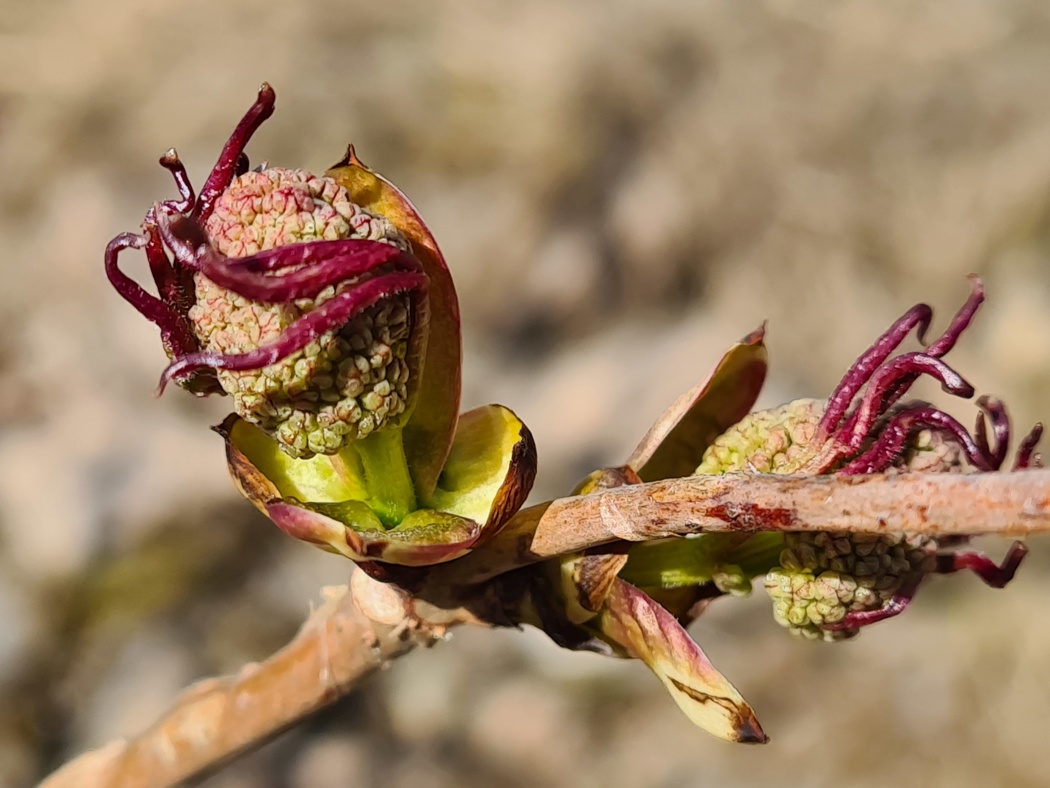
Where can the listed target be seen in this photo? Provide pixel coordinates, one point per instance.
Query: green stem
(391, 494)
(675, 563)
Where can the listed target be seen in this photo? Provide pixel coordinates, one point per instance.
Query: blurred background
(623, 189)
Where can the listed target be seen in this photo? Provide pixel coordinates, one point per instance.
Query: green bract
(326, 500)
(428, 434)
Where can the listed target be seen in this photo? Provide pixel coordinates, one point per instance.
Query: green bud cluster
(779, 440)
(823, 576)
(347, 383)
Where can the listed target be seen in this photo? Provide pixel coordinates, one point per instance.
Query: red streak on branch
(936, 504)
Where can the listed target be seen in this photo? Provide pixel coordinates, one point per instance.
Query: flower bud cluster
(778, 440)
(930, 451)
(346, 383)
(823, 576)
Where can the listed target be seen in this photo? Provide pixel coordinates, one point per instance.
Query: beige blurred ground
(623, 188)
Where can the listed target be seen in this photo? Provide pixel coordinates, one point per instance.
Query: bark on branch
(935, 504)
(357, 631)
(351, 635)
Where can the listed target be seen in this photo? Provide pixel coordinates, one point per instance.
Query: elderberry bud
(778, 440)
(348, 382)
(823, 576)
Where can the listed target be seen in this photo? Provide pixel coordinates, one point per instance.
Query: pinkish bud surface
(347, 383)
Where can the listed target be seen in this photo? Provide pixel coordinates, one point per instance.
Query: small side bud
(824, 576)
(931, 451)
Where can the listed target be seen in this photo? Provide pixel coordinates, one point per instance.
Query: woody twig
(356, 632)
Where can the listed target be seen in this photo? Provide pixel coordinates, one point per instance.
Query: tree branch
(935, 504)
(354, 633)
(357, 631)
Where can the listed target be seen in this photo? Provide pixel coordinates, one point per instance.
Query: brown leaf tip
(745, 726)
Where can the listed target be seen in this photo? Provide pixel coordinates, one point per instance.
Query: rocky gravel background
(623, 189)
